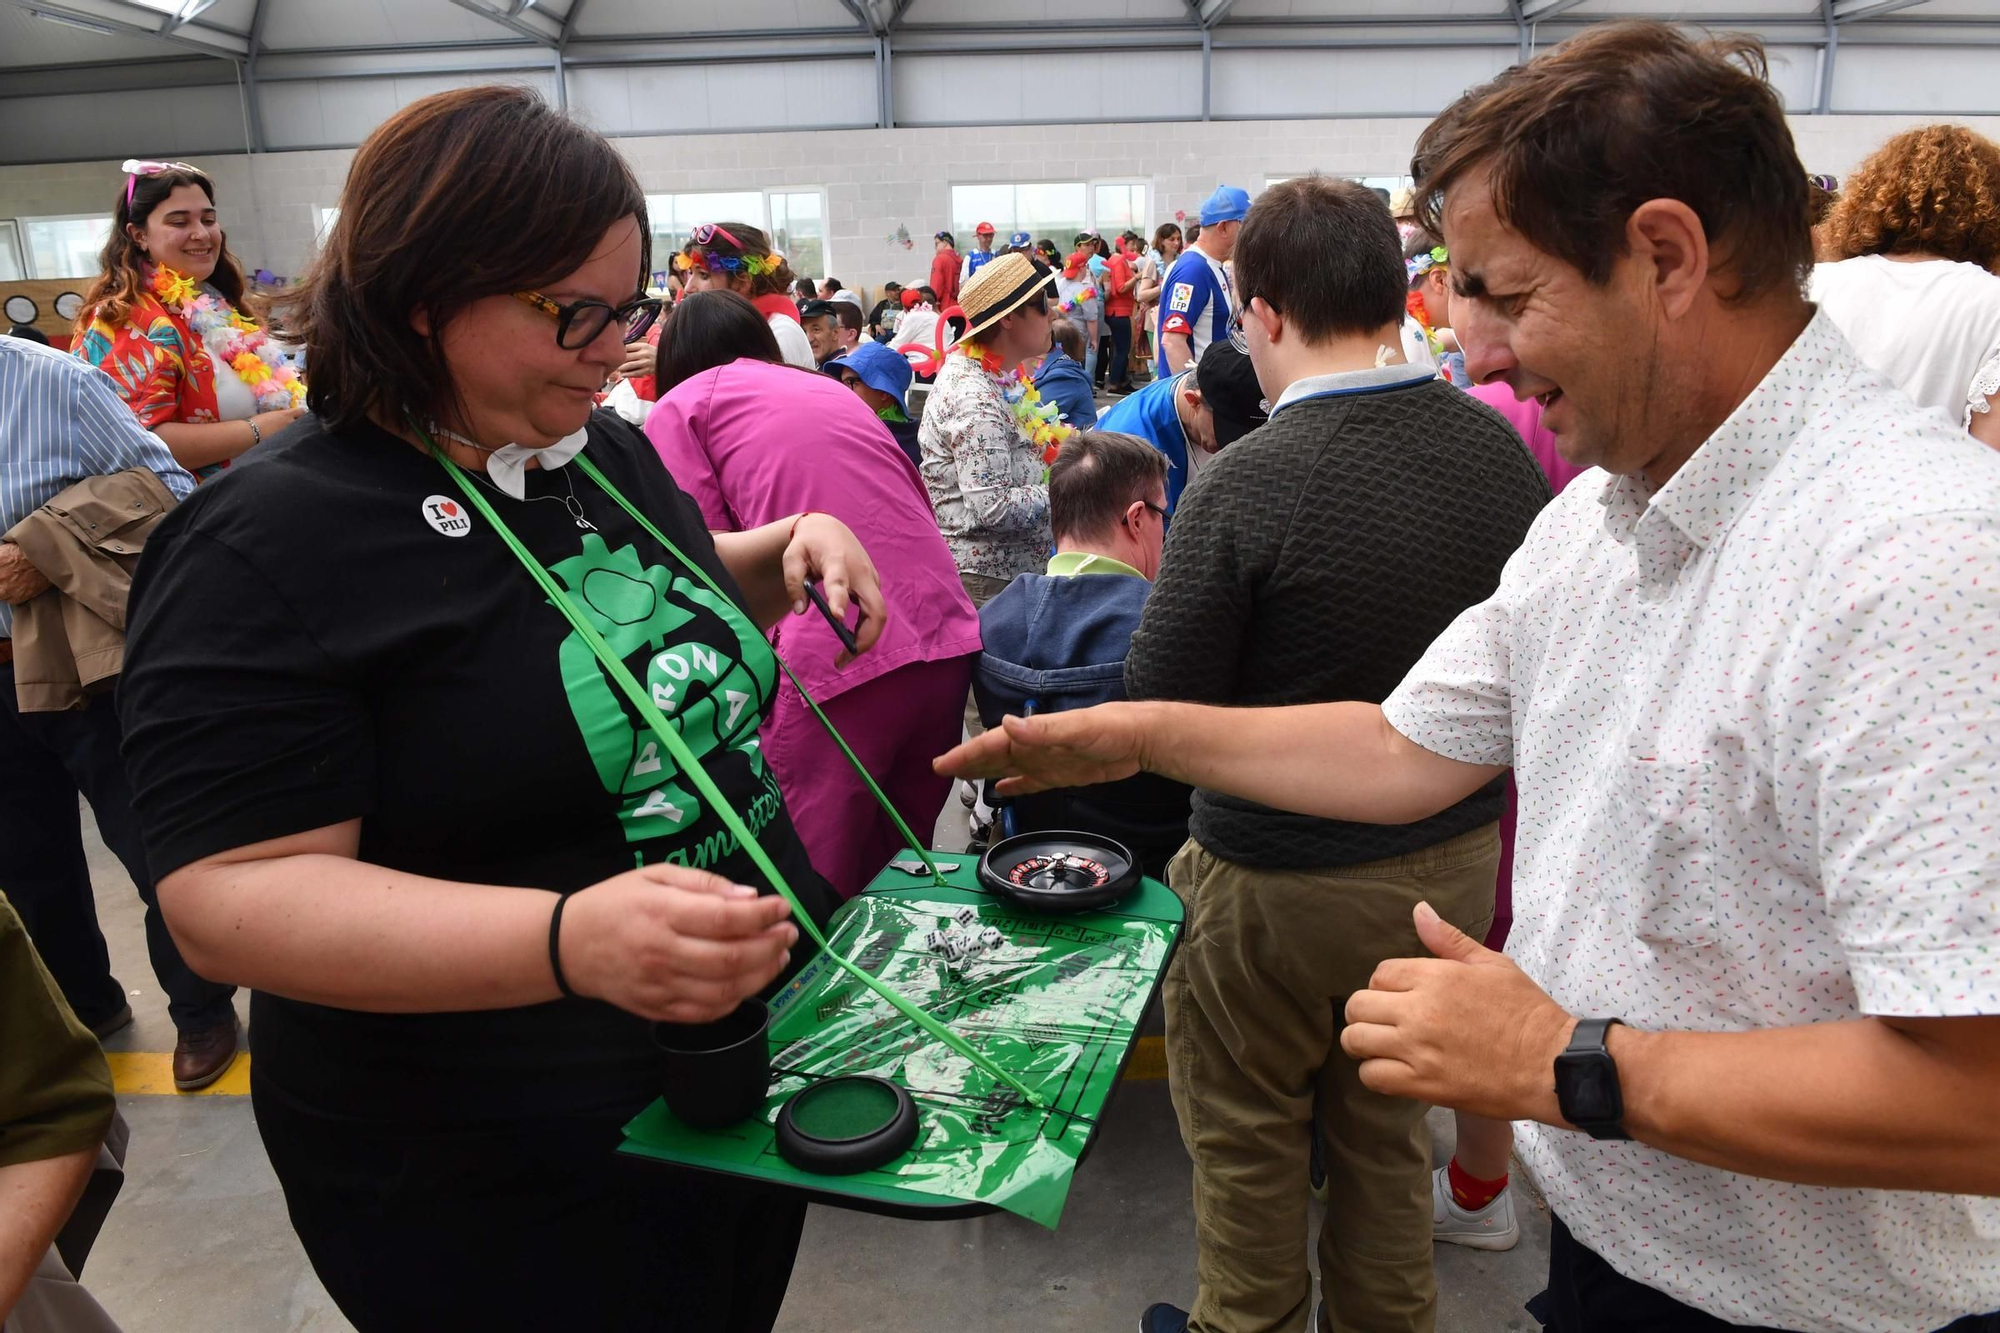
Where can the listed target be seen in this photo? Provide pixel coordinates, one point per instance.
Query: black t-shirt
(334, 633)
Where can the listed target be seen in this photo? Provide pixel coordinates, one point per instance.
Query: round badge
(21, 310)
(447, 515)
(68, 304)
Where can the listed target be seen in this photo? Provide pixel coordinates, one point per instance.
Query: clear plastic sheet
(1057, 1003)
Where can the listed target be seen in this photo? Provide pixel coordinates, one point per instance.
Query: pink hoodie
(1525, 416)
(753, 442)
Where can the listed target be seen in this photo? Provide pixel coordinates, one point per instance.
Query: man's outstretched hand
(1090, 745)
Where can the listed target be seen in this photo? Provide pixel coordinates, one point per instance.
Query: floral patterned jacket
(983, 475)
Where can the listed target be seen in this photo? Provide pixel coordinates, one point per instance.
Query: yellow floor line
(151, 1073)
(1149, 1060)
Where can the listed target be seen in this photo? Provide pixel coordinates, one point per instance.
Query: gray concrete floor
(199, 1238)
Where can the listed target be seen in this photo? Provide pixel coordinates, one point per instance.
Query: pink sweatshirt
(753, 443)
(1525, 416)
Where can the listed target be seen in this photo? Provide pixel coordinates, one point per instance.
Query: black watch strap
(1603, 1117)
(1591, 1034)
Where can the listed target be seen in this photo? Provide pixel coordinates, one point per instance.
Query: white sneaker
(1491, 1228)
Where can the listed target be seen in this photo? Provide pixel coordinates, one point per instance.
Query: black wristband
(555, 947)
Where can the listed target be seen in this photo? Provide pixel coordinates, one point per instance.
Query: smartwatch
(1587, 1081)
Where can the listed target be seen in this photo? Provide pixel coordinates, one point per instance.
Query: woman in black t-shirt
(370, 755)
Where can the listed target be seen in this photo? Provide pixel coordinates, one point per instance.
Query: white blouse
(1931, 325)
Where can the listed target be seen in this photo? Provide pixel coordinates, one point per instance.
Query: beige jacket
(69, 642)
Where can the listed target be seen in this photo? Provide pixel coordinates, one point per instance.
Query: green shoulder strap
(881, 798)
(690, 765)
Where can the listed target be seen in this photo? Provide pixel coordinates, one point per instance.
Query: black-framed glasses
(580, 323)
(1156, 509)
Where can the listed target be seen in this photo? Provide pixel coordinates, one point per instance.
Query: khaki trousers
(1254, 1003)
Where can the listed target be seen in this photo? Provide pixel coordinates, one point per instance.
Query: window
(1055, 210)
(1119, 206)
(1385, 187)
(12, 264)
(65, 247)
(798, 229)
(795, 220)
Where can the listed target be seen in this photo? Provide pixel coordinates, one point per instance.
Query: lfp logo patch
(446, 515)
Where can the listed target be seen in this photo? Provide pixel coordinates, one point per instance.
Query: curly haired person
(1912, 245)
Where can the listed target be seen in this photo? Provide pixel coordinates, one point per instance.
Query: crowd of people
(1540, 626)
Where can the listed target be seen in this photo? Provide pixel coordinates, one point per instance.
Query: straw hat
(1003, 286)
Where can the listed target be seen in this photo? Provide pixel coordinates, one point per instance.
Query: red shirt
(1121, 273)
(944, 277)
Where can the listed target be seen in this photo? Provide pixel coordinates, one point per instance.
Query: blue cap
(1019, 238)
(879, 367)
(1227, 204)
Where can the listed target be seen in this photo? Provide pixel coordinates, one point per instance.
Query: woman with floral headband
(1429, 308)
(168, 322)
(736, 257)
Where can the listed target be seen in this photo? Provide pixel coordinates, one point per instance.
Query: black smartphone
(839, 625)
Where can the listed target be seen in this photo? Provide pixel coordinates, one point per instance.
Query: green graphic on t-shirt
(712, 680)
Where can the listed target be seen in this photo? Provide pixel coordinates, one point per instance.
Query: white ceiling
(293, 26)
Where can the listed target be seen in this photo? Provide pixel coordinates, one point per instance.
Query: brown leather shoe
(204, 1056)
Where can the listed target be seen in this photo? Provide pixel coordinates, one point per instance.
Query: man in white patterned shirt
(1748, 679)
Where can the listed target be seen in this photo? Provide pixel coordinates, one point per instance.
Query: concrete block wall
(878, 180)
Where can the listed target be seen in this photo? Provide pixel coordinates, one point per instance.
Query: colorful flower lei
(272, 378)
(1039, 422)
(755, 265)
(1076, 300)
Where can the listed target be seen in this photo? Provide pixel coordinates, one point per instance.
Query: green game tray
(1058, 1005)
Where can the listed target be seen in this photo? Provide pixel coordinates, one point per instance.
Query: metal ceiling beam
(253, 105)
(541, 34)
(1823, 96)
(187, 13)
(1524, 40)
(563, 40)
(1208, 13)
(1540, 11)
(1846, 11)
(121, 18)
(1109, 26)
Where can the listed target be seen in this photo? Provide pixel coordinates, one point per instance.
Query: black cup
(718, 1073)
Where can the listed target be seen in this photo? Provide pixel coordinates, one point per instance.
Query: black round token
(1059, 871)
(841, 1126)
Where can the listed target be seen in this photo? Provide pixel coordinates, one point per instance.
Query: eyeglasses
(580, 323)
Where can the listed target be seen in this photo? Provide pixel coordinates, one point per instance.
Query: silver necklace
(569, 501)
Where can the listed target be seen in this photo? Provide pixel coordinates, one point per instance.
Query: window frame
(764, 192)
(1143, 227)
(12, 229)
(1089, 185)
(31, 260)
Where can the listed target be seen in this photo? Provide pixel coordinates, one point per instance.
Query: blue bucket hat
(879, 367)
(1019, 240)
(1227, 204)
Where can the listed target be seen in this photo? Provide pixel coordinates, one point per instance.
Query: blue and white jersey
(1194, 301)
(975, 261)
